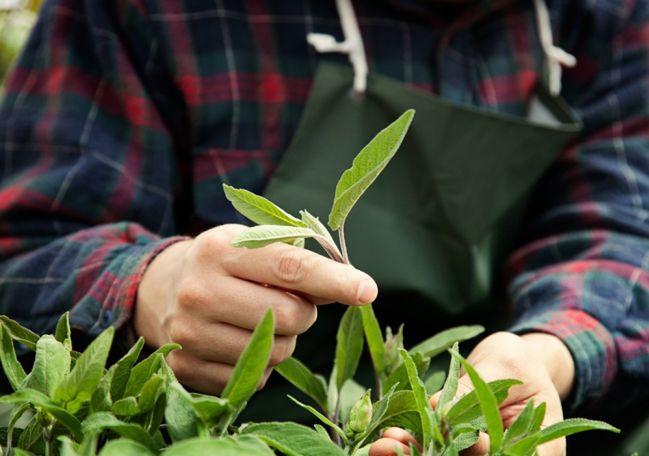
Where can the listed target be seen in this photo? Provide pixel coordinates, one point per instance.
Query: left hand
(541, 361)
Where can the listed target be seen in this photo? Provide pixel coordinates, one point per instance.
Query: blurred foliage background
(16, 20)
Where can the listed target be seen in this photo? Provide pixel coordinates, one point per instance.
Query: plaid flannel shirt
(122, 119)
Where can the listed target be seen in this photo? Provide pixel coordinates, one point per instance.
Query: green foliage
(75, 406)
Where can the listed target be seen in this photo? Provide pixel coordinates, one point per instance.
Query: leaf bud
(360, 414)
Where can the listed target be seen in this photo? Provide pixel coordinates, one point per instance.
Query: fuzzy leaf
(316, 225)
(78, 386)
(521, 426)
(435, 382)
(122, 370)
(523, 447)
(573, 426)
(374, 338)
(366, 167)
(252, 363)
(349, 345)
(39, 399)
(258, 209)
(12, 368)
(467, 408)
(450, 387)
(294, 439)
(144, 370)
(305, 380)
(320, 416)
(63, 333)
(421, 399)
(488, 405)
(124, 447)
(182, 420)
(126, 407)
(19, 333)
(51, 365)
(442, 341)
(99, 422)
(245, 445)
(263, 235)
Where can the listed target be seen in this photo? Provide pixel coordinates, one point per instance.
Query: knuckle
(189, 294)
(290, 266)
(215, 240)
(181, 334)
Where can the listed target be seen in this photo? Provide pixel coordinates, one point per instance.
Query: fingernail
(366, 292)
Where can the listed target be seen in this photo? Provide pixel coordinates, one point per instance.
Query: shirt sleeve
(583, 273)
(87, 167)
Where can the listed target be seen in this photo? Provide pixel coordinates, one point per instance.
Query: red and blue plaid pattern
(122, 120)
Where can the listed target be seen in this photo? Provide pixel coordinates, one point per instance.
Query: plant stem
(336, 420)
(343, 246)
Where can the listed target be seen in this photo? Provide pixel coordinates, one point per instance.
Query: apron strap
(352, 45)
(554, 55)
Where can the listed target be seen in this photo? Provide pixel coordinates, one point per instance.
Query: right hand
(208, 296)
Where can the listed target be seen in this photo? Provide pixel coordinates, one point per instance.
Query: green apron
(436, 226)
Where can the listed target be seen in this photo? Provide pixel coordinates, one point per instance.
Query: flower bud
(360, 414)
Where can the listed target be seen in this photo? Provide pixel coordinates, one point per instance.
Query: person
(121, 120)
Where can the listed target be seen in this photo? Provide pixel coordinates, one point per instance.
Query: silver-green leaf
(263, 235)
(258, 209)
(366, 167)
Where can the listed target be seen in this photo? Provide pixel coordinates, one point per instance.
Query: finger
(242, 303)
(302, 271)
(224, 343)
(197, 374)
(388, 447)
(401, 435)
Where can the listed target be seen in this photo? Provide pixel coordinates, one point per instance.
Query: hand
(541, 361)
(208, 296)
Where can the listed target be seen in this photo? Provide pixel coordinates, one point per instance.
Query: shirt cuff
(591, 345)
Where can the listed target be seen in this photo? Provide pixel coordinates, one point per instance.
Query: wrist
(156, 292)
(555, 358)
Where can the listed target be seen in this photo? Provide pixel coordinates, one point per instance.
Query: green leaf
(245, 445)
(259, 209)
(305, 380)
(16, 414)
(209, 408)
(39, 399)
(313, 222)
(31, 436)
(521, 426)
(145, 369)
(122, 370)
(374, 338)
(63, 333)
(573, 426)
(523, 447)
(51, 365)
(348, 395)
(19, 333)
(399, 377)
(78, 386)
(349, 345)
(124, 447)
(488, 405)
(12, 368)
(442, 341)
(434, 382)
(294, 439)
(252, 363)
(67, 446)
(321, 417)
(391, 406)
(102, 421)
(127, 406)
(182, 420)
(450, 387)
(366, 167)
(537, 420)
(151, 389)
(421, 399)
(467, 408)
(263, 235)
